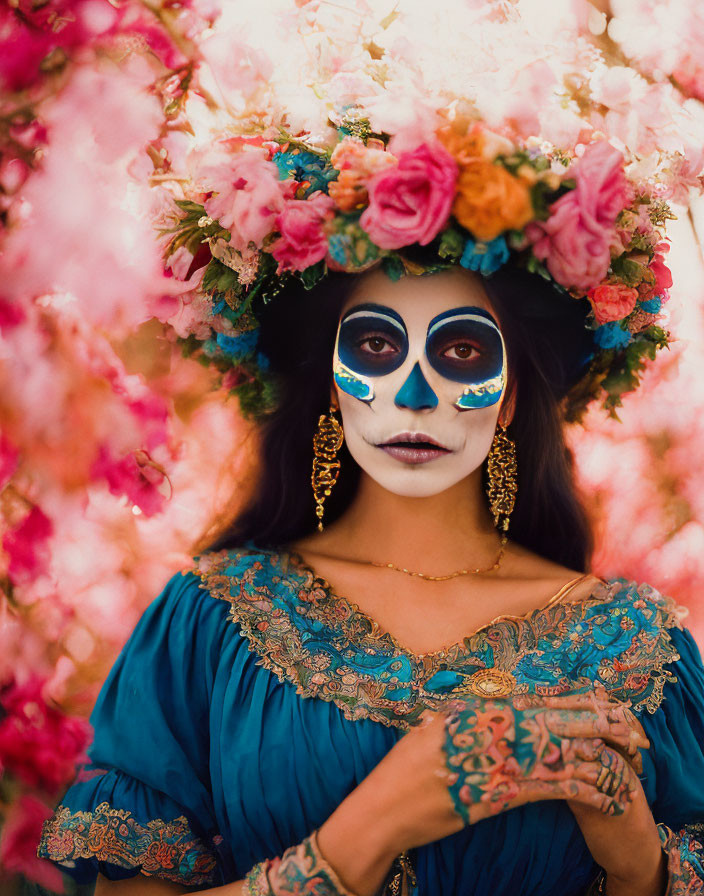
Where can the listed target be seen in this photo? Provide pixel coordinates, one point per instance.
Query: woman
(408, 699)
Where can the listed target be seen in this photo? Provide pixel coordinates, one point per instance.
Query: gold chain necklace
(452, 575)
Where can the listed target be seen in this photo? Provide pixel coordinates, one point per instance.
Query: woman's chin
(416, 480)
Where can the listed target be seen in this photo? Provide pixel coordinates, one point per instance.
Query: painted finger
(585, 749)
(576, 790)
(612, 727)
(559, 701)
(632, 719)
(590, 750)
(581, 758)
(615, 776)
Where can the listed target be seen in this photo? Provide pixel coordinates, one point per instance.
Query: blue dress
(251, 699)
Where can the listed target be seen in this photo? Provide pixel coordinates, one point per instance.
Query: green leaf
(189, 345)
(258, 396)
(537, 267)
(313, 274)
(220, 282)
(452, 243)
(393, 267)
(626, 269)
(190, 207)
(541, 198)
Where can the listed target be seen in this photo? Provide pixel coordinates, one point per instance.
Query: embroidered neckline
(310, 637)
(314, 579)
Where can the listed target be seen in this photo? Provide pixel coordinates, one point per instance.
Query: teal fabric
(190, 724)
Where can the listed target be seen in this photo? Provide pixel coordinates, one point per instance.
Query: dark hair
(547, 346)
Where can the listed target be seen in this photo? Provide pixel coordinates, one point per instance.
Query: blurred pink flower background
(115, 449)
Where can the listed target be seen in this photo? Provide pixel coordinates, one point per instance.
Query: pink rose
(575, 240)
(248, 196)
(411, 202)
(612, 301)
(303, 241)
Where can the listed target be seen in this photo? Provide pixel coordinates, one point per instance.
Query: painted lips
(413, 448)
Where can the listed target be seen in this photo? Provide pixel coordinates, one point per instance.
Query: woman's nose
(416, 393)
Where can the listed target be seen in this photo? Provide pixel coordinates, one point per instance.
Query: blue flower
(612, 335)
(337, 247)
(218, 306)
(485, 257)
(240, 346)
(302, 165)
(652, 306)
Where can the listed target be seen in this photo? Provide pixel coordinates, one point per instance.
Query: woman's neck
(450, 529)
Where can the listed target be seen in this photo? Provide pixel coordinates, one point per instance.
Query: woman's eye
(377, 345)
(461, 351)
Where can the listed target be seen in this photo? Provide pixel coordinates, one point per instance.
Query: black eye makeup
(372, 340)
(465, 345)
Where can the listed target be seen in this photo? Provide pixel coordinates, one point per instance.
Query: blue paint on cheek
(481, 395)
(353, 385)
(416, 393)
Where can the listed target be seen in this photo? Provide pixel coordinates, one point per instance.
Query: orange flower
(465, 148)
(490, 200)
(348, 191)
(357, 163)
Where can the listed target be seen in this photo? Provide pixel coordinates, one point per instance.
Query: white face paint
(419, 360)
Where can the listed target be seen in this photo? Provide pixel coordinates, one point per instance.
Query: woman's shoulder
(257, 583)
(630, 635)
(589, 591)
(196, 597)
(226, 570)
(633, 598)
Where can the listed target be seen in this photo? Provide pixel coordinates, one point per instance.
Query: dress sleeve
(676, 732)
(143, 802)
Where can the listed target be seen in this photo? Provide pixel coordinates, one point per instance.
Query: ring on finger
(605, 777)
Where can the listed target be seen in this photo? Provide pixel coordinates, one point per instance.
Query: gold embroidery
(166, 849)
(487, 683)
(307, 635)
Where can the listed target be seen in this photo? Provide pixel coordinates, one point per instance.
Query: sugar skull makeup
(463, 345)
(420, 374)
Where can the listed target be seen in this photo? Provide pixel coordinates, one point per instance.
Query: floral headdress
(270, 207)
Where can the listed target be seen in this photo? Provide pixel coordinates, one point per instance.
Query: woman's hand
(479, 757)
(482, 756)
(503, 753)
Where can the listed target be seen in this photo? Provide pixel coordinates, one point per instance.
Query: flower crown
(269, 207)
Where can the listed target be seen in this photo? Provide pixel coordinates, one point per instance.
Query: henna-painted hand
(451, 770)
(503, 752)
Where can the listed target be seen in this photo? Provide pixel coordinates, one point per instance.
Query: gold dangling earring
(327, 441)
(503, 483)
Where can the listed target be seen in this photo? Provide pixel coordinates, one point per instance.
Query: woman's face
(420, 375)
